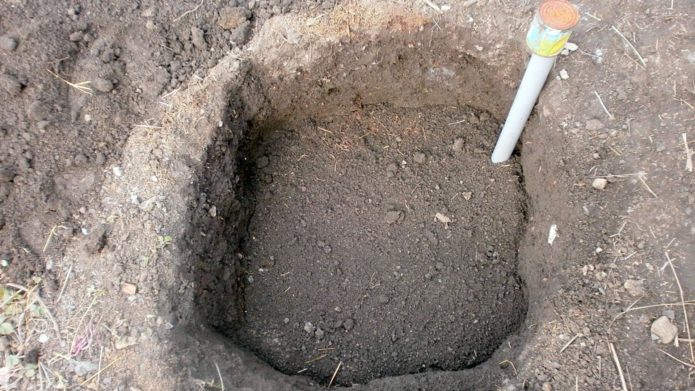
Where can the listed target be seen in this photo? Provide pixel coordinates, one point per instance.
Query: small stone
(213, 211)
(467, 195)
(634, 287)
(129, 289)
(391, 170)
(10, 84)
(338, 309)
(241, 33)
(439, 266)
(82, 368)
(594, 124)
(286, 320)
(7, 174)
(117, 171)
(348, 324)
(100, 158)
(125, 342)
(262, 162)
(382, 299)
(232, 17)
(76, 36)
(571, 46)
(8, 43)
(547, 387)
(148, 12)
(38, 111)
(394, 216)
(319, 333)
(309, 328)
(102, 85)
(419, 157)
(198, 38)
(564, 75)
(663, 330)
(458, 145)
(599, 183)
(80, 159)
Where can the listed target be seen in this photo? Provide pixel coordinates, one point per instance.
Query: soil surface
(383, 239)
(120, 128)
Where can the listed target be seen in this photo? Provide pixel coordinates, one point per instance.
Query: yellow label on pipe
(551, 27)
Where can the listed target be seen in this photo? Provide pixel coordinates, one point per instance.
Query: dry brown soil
(244, 195)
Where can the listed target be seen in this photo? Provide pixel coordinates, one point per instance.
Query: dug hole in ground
(317, 207)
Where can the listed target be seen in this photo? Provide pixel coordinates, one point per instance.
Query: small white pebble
(564, 75)
(43, 338)
(552, 234)
(117, 171)
(571, 46)
(599, 183)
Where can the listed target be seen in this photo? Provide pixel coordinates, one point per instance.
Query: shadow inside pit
(309, 186)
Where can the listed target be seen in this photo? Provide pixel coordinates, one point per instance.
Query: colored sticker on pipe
(551, 27)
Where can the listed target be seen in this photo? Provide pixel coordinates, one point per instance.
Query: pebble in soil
(348, 261)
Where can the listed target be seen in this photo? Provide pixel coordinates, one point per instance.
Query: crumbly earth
(107, 187)
(383, 239)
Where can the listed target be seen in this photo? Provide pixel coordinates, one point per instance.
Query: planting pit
(349, 214)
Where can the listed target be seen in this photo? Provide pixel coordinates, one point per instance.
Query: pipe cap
(559, 14)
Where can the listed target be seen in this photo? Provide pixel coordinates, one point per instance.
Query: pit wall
(293, 59)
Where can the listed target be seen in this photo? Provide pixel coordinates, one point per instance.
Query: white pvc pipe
(536, 73)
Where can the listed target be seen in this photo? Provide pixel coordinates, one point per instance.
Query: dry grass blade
(82, 86)
(618, 366)
(335, 373)
(219, 374)
(510, 363)
(685, 312)
(603, 106)
(183, 15)
(688, 154)
(644, 63)
(677, 359)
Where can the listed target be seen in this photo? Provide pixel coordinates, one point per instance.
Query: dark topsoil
(346, 261)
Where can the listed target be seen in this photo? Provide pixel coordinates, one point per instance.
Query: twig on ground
(65, 283)
(603, 106)
(640, 175)
(183, 15)
(510, 363)
(618, 366)
(101, 355)
(644, 63)
(685, 312)
(677, 359)
(219, 374)
(570, 342)
(102, 370)
(688, 154)
(434, 6)
(50, 236)
(81, 86)
(316, 359)
(335, 373)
